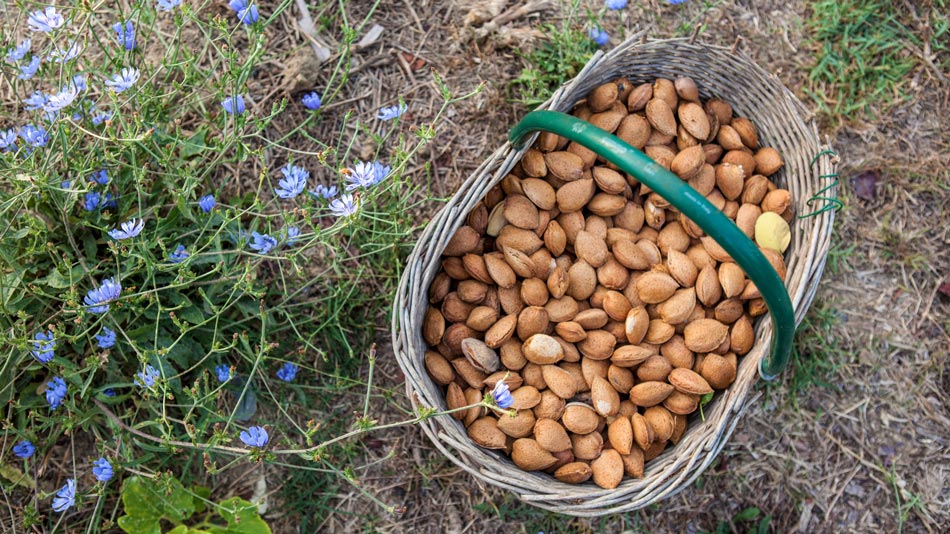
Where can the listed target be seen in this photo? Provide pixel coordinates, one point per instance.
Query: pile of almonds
(608, 313)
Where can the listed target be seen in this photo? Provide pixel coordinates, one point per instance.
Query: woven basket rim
(679, 466)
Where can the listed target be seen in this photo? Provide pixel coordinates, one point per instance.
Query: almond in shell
(688, 381)
(661, 117)
(575, 195)
(551, 436)
(485, 432)
(518, 426)
(528, 455)
(655, 287)
(564, 165)
(521, 212)
(580, 418)
(705, 335)
(574, 473)
(650, 393)
(607, 469)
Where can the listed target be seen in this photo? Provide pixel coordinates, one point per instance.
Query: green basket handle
(691, 204)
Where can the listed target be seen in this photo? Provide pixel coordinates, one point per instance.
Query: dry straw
(783, 123)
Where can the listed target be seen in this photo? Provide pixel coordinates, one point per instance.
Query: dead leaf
(944, 288)
(865, 184)
(415, 62)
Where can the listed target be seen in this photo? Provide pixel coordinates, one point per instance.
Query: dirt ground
(867, 451)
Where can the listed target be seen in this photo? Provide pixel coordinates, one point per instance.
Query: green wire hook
(692, 205)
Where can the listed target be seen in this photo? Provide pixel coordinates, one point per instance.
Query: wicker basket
(783, 123)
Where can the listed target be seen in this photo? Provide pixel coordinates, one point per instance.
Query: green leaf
(140, 525)
(195, 144)
(202, 494)
(748, 514)
(147, 501)
(17, 477)
(247, 407)
(242, 518)
(180, 529)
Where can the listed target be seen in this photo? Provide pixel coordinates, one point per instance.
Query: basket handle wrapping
(693, 205)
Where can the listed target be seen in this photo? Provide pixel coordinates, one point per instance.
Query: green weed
(559, 58)
(817, 353)
(865, 53)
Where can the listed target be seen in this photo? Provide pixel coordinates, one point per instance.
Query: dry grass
(870, 453)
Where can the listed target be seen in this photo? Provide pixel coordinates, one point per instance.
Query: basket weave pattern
(782, 123)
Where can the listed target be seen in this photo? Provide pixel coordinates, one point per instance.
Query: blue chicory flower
(61, 99)
(366, 175)
(8, 139)
(91, 201)
(65, 497)
(125, 34)
(106, 338)
(233, 105)
(262, 243)
(79, 82)
(255, 436)
(62, 55)
(322, 191)
(293, 233)
(19, 52)
(391, 112)
(24, 449)
(178, 255)
(675, 2)
(35, 101)
(128, 229)
(168, 5)
(35, 136)
(287, 372)
(294, 181)
(344, 206)
(502, 395)
(65, 184)
(27, 71)
(102, 470)
(146, 378)
(223, 372)
(246, 13)
(108, 392)
(109, 202)
(45, 344)
(124, 80)
(101, 177)
(615, 4)
(311, 100)
(45, 20)
(599, 36)
(102, 117)
(206, 203)
(55, 392)
(97, 300)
